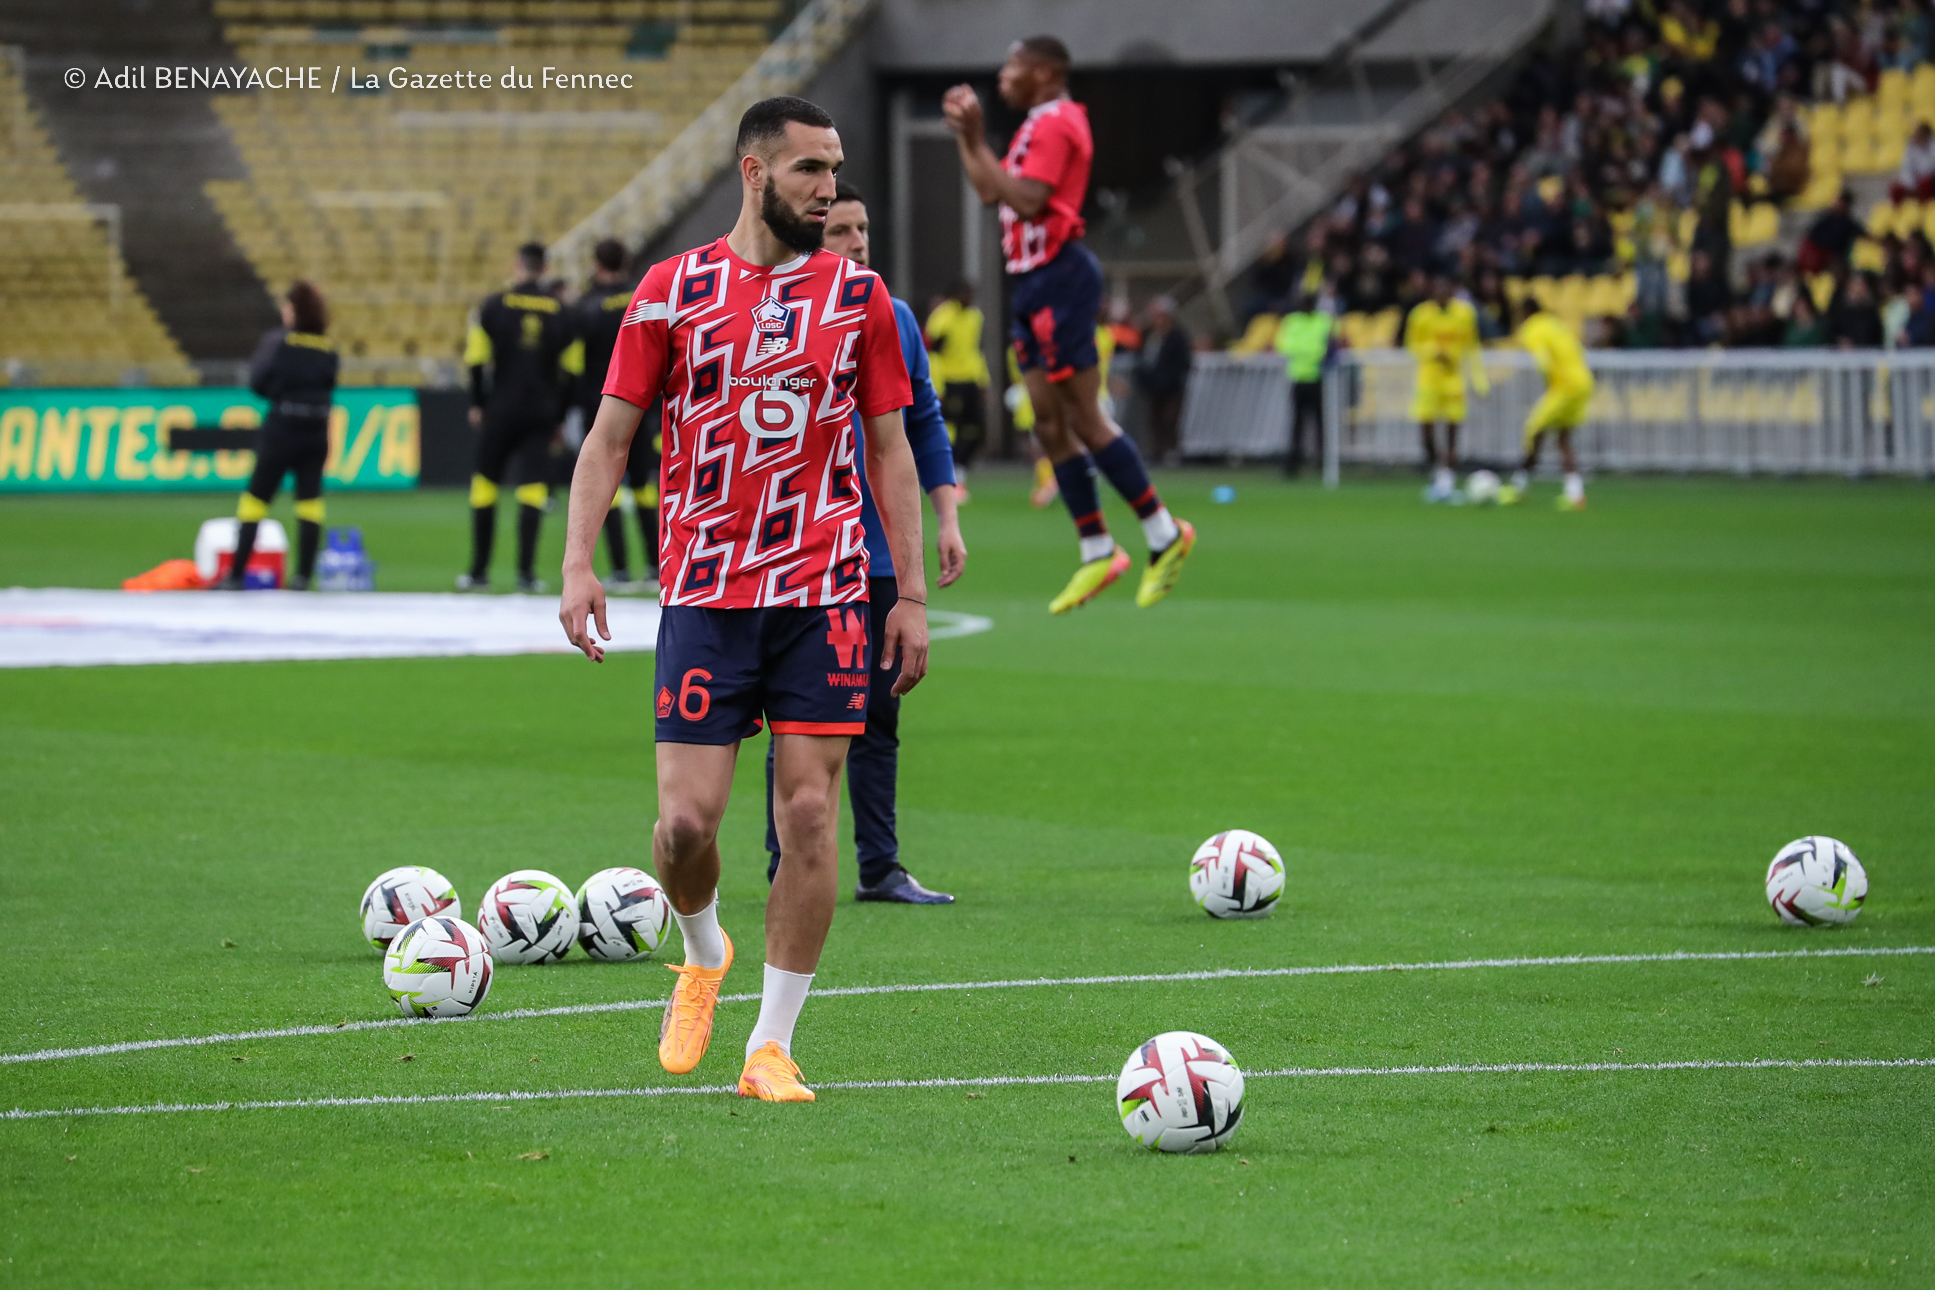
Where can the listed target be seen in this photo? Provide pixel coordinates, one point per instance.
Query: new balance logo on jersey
(775, 327)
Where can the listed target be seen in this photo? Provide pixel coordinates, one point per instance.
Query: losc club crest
(774, 328)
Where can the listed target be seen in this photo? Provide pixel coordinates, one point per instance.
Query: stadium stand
(73, 314)
(407, 205)
(1679, 182)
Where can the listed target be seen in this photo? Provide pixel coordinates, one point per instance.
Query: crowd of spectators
(1590, 165)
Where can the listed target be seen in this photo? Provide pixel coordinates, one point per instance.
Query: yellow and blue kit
(1444, 340)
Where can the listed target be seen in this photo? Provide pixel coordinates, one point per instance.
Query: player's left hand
(953, 553)
(905, 637)
(961, 106)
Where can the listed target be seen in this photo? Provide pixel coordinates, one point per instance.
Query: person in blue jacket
(873, 760)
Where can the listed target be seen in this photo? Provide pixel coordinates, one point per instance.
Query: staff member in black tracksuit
(596, 319)
(518, 380)
(294, 368)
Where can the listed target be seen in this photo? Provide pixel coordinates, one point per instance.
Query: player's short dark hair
(1047, 49)
(610, 255)
(767, 120)
(846, 192)
(531, 256)
(306, 301)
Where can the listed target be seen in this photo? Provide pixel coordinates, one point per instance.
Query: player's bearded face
(788, 225)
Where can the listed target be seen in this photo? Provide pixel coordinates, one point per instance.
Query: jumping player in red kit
(762, 346)
(1040, 186)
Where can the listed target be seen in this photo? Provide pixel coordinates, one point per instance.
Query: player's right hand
(961, 106)
(584, 598)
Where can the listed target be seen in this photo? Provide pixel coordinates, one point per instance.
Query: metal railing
(674, 178)
(1787, 412)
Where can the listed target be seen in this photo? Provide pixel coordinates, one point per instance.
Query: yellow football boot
(687, 1027)
(1090, 581)
(771, 1076)
(1571, 503)
(1160, 577)
(1509, 495)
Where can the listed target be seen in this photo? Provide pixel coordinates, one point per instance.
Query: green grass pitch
(1473, 734)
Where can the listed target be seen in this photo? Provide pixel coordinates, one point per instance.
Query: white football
(1236, 874)
(437, 967)
(1481, 486)
(1180, 1092)
(528, 916)
(1814, 881)
(622, 914)
(400, 897)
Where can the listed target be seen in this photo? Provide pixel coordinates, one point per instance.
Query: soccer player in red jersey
(1040, 186)
(762, 346)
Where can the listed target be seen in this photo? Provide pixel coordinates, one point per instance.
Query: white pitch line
(979, 1081)
(1133, 978)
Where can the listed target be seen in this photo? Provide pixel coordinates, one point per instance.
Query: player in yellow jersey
(1442, 334)
(960, 373)
(1560, 411)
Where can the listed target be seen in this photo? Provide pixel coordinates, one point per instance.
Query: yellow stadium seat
(1258, 338)
(1868, 255)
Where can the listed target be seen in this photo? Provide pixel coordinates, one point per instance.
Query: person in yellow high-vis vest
(1559, 411)
(1442, 334)
(1306, 338)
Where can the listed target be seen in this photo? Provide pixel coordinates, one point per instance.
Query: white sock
(1575, 487)
(1521, 480)
(705, 944)
(1442, 480)
(1160, 529)
(1099, 547)
(779, 1009)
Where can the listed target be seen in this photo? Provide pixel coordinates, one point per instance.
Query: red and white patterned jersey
(761, 370)
(1053, 145)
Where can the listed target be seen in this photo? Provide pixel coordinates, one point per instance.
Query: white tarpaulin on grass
(59, 627)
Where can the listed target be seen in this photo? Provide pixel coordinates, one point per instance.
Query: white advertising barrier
(60, 627)
(1803, 411)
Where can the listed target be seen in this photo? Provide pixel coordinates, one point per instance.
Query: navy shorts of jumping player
(1055, 311)
(720, 671)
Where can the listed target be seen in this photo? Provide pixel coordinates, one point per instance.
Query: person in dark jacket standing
(1162, 372)
(518, 382)
(294, 368)
(595, 320)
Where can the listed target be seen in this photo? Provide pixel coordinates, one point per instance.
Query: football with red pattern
(437, 967)
(401, 896)
(528, 916)
(1236, 874)
(1180, 1092)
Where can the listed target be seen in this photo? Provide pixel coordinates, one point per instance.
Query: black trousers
(279, 451)
(873, 759)
(525, 438)
(962, 408)
(1306, 410)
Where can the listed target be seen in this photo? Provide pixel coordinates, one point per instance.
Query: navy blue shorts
(1055, 311)
(719, 671)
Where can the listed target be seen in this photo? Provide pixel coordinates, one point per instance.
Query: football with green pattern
(437, 967)
(1815, 882)
(528, 916)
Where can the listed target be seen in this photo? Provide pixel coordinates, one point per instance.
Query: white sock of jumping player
(779, 1009)
(1575, 487)
(1160, 529)
(1099, 547)
(705, 944)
